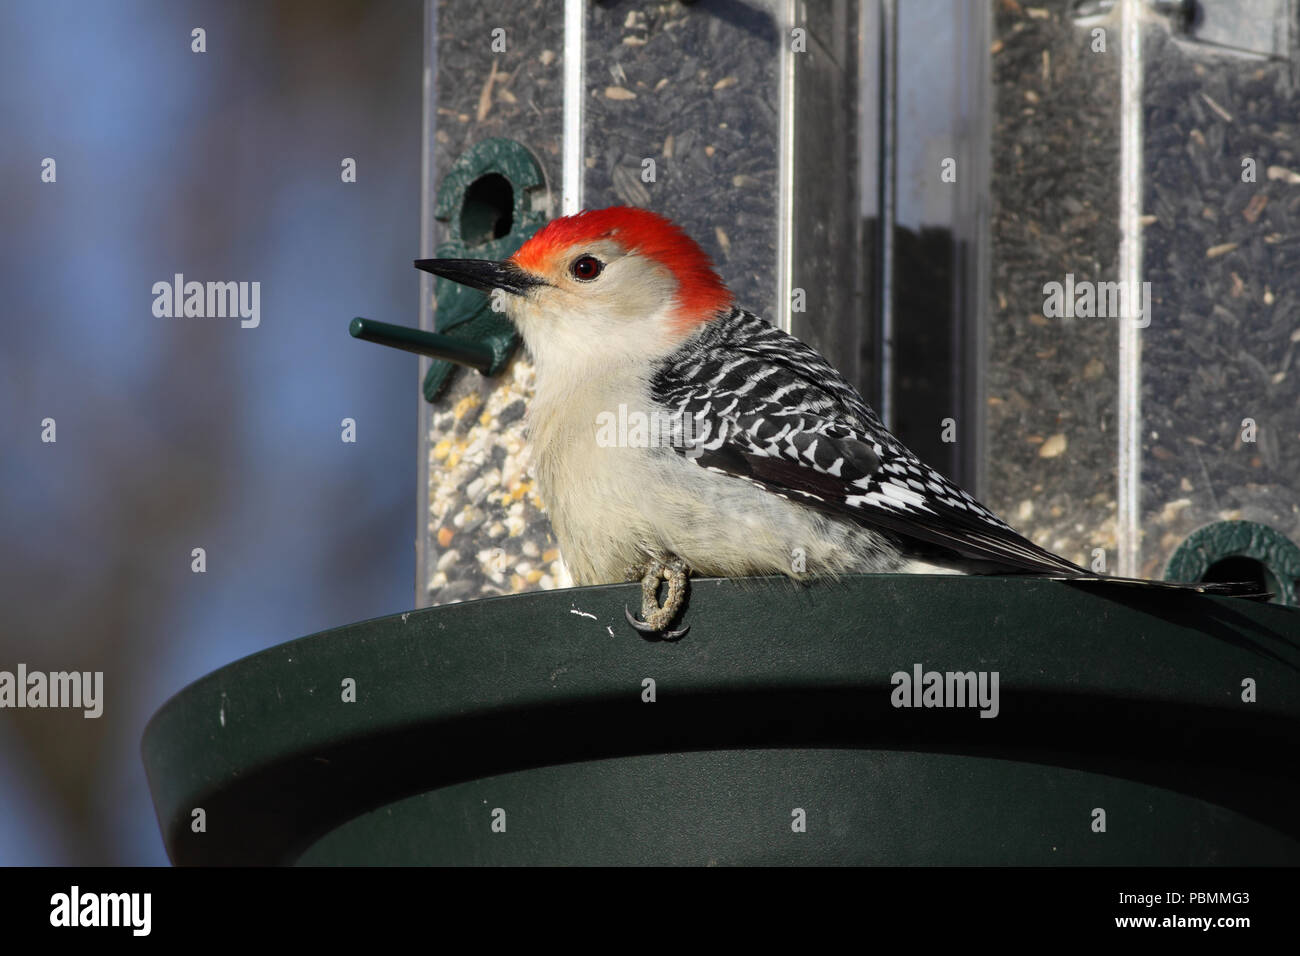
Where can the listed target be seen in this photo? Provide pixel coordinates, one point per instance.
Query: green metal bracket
(1224, 541)
(490, 203)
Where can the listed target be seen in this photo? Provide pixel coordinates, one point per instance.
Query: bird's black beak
(482, 274)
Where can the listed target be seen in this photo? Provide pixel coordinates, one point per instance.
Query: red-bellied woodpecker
(674, 433)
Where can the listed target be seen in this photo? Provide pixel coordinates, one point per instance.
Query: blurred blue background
(177, 433)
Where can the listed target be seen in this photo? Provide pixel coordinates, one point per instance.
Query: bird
(674, 433)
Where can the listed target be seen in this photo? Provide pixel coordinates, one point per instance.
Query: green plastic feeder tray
(1131, 727)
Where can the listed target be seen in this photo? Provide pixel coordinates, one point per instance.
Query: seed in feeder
(619, 93)
(466, 404)
(1254, 207)
(1053, 447)
(1224, 114)
(444, 537)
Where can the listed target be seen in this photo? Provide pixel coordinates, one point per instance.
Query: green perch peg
(420, 342)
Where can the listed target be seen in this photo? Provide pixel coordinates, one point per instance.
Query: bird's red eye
(586, 268)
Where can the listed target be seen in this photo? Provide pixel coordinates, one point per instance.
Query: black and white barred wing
(774, 413)
(833, 467)
(770, 410)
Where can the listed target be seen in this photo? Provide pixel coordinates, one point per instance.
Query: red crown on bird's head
(701, 293)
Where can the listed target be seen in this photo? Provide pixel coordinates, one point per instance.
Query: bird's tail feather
(1248, 590)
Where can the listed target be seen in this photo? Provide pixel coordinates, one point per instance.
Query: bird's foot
(656, 616)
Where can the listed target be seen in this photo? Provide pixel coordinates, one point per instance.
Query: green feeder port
(1104, 725)
(1240, 551)
(490, 202)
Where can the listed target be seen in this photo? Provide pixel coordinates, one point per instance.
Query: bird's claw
(645, 628)
(657, 617)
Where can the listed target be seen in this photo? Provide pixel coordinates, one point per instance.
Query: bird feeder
(789, 727)
(875, 719)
